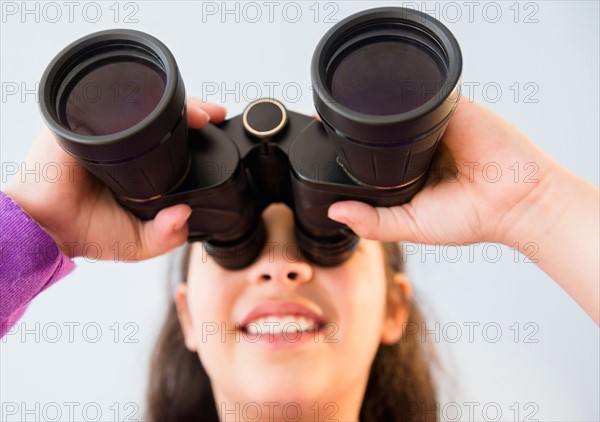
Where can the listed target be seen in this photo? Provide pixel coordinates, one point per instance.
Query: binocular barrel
(385, 83)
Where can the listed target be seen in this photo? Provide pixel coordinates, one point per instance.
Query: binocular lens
(386, 82)
(385, 77)
(115, 100)
(112, 97)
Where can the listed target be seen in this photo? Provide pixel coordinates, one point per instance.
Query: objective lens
(385, 83)
(112, 97)
(385, 77)
(115, 101)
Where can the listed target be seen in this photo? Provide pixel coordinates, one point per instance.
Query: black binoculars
(385, 81)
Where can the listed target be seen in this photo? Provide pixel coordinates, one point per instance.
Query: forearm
(561, 234)
(30, 262)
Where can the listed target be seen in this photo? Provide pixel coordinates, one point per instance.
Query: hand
(77, 210)
(484, 180)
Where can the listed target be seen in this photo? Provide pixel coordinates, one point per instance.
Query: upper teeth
(280, 324)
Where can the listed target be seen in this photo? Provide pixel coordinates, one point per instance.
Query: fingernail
(339, 218)
(204, 114)
(178, 225)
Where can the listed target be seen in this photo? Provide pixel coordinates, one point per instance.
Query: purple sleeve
(30, 262)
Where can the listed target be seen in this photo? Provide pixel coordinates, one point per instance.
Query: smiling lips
(279, 317)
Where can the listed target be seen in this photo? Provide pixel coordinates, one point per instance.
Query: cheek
(210, 303)
(211, 292)
(210, 300)
(359, 292)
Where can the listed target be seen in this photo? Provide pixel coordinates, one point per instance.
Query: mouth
(288, 324)
(283, 318)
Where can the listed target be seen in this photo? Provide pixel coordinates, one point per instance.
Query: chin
(284, 386)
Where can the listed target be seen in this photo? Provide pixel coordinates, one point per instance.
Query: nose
(278, 266)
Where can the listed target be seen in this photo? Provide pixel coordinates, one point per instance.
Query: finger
(393, 224)
(165, 232)
(215, 112)
(197, 117)
(470, 123)
(316, 116)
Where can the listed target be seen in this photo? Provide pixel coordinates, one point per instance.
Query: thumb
(165, 232)
(393, 224)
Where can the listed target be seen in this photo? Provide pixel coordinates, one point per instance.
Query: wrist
(32, 203)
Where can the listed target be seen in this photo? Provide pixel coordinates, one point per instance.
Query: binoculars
(385, 83)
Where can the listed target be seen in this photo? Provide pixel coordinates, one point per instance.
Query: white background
(550, 45)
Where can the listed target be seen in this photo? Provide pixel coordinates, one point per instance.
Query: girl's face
(283, 330)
